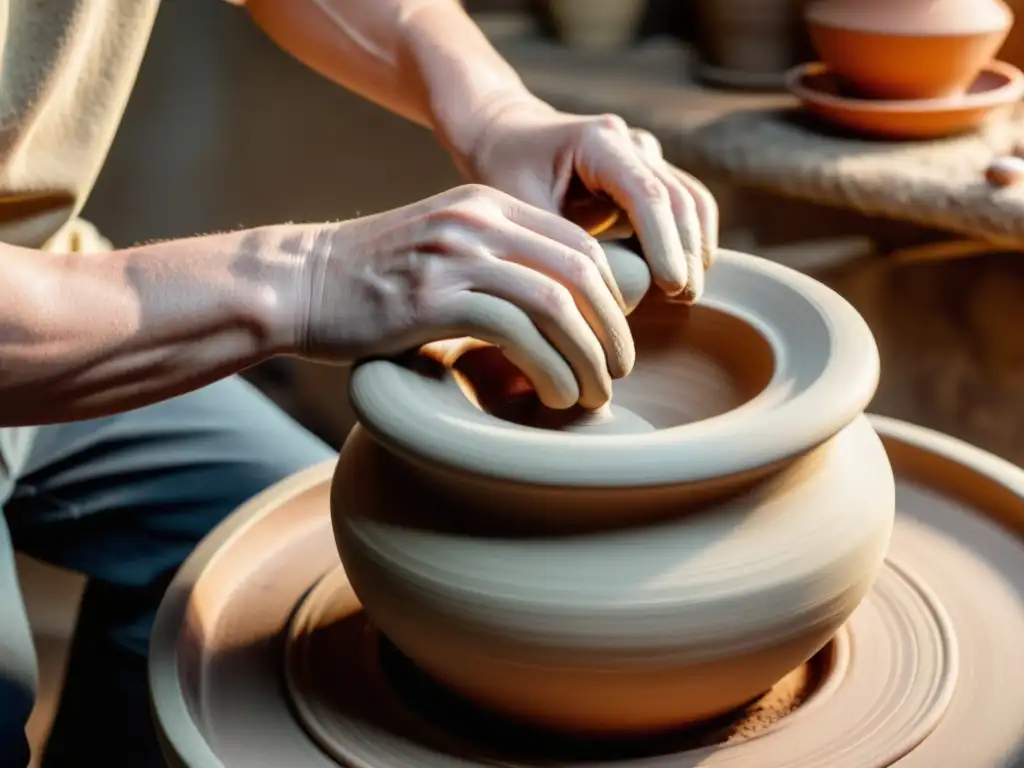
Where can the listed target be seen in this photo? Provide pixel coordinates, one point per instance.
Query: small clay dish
(908, 49)
(822, 92)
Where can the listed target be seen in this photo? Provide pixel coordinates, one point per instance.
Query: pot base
(739, 80)
(366, 704)
(952, 596)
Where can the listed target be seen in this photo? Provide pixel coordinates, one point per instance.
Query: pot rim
(826, 372)
(897, 22)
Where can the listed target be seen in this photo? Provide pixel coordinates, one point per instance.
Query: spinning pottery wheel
(263, 654)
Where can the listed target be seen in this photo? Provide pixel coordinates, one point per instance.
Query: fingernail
(690, 295)
(672, 289)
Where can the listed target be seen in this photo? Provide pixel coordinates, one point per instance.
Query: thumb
(531, 189)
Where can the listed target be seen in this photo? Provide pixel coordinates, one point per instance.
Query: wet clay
(338, 667)
(950, 600)
(626, 629)
(769, 365)
(642, 569)
(535, 571)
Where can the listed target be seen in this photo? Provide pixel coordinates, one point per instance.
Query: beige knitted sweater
(67, 69)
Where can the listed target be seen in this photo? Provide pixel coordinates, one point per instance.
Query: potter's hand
(476, 262)
(589, 168)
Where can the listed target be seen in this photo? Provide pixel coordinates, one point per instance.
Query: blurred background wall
(225, 130)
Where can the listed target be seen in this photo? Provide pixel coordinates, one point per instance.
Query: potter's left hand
(594, 169)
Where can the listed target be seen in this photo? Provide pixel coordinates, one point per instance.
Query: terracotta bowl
(657, 566)
(907, 49)
(821, 91)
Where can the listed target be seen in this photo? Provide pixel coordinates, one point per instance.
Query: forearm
(423, 59)
(83, 336)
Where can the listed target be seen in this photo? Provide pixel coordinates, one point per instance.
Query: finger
(631, 272)
(707, 212)
(561, 230)
(684, 208)
(612, 165)
(552, 309)
(498, 322)
(579, 274)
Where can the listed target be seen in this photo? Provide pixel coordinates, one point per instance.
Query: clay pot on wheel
(653, 565)
(908, 49)
(597, 25)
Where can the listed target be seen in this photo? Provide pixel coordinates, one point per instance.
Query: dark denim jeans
(123, 500)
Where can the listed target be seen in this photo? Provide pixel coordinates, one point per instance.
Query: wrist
(462, 136)
(269, 267)
(462, 86)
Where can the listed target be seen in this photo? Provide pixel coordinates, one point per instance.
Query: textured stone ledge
(764, 140)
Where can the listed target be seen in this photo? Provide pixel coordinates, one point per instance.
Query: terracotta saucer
(928, 672)
(998, 86)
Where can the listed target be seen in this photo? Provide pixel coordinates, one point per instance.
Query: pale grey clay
(722, 533)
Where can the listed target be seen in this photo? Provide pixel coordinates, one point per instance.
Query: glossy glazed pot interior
(908, 49)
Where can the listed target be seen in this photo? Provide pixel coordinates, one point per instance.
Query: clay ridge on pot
(769, 365)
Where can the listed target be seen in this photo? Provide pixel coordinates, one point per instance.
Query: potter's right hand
(471, 261)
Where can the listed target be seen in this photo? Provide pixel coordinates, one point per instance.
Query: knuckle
(613, 123)
(687, 203)
(469, 192)
(649, 189)
(555, 300)
(582, 242)
(641, 134)
(579, 270)
(458, 220)
(448, 232)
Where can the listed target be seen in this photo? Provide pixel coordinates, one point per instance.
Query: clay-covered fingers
(707, 213)
(553, 247)
(553, 310)
(577, 240)
(502, 323)
(610, 163)
(533, 283)
(683, 183)
(685, 210)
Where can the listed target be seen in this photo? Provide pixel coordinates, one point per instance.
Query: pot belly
(633, 629)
